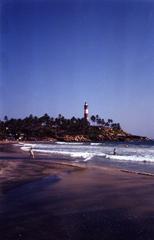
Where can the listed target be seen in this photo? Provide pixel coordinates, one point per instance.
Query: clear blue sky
(55, 54)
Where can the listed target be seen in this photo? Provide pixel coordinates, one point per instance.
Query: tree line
(45, 127)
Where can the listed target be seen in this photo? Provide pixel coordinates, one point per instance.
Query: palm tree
(110, 121)
(93, 118)
(44, 120)
(5, 118)
(99, 121)
(73, 120)
(102, 122)
(97, 117)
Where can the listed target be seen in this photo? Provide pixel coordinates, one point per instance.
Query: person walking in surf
(114, 151)
(31, 153)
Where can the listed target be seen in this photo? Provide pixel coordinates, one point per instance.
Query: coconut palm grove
(47, 128)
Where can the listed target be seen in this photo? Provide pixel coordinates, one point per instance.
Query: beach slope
(43, 200)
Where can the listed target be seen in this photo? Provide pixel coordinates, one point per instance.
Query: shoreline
(13, 159)
(41, 198)
(8, 142)
(16, 168)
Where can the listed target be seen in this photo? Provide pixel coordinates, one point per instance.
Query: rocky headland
(107, 134)
(51, 129)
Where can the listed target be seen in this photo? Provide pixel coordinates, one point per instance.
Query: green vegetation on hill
(34, 128)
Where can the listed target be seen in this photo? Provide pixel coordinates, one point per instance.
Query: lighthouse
(86, 111)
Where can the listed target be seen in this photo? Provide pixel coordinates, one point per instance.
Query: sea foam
(88, 152)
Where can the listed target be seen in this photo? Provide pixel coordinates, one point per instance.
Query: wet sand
(43, 200)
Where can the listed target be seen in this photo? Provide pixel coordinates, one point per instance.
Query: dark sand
(43, 200)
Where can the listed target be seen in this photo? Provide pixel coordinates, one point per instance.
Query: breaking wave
(69, 143)
(146, 158)
(95, 144)
(86, 152)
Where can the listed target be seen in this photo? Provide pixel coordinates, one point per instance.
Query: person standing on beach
(31, 153)
(114, 151)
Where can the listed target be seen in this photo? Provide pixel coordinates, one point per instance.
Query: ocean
(134, 156)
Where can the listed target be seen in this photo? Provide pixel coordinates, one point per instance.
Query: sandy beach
(42, 199)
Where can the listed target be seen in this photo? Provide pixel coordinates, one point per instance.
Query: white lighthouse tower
(86, 111)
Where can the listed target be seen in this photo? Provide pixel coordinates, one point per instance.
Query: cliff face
(76, 138)
(101, 134)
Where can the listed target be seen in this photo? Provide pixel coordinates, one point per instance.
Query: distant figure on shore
(114, 151)
(31, 153)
